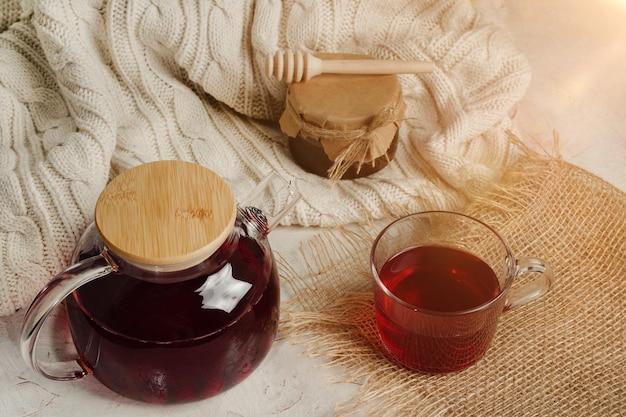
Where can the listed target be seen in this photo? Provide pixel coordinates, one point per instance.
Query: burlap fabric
(562, 355)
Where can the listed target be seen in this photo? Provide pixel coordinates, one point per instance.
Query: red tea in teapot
(159, 343)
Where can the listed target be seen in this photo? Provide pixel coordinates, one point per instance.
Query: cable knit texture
(91, 88)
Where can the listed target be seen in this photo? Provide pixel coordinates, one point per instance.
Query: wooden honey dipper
(296, 66)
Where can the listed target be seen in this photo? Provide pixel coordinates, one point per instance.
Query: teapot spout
(269, 202)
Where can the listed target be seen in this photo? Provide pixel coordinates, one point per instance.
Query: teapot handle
(269, 202)
(48, 299)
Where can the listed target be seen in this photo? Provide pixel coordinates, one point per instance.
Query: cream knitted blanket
(91, 88)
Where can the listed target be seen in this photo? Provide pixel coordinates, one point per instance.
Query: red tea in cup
(442, 281)
(438, 279)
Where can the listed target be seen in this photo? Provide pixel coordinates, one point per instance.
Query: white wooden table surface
(577, 49)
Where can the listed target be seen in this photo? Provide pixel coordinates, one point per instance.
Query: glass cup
(442, 280)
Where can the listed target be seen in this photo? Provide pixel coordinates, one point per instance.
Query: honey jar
(343, 126)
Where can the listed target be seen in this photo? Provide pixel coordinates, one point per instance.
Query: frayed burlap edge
(564, 354)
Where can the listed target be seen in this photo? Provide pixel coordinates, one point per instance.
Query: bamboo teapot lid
(168, 215)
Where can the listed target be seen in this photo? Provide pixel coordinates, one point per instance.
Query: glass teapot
(173, 295)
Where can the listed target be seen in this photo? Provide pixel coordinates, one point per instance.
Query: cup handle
(48, 299)
(534, 289)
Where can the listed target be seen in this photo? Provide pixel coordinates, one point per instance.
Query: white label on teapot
(221, 291)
